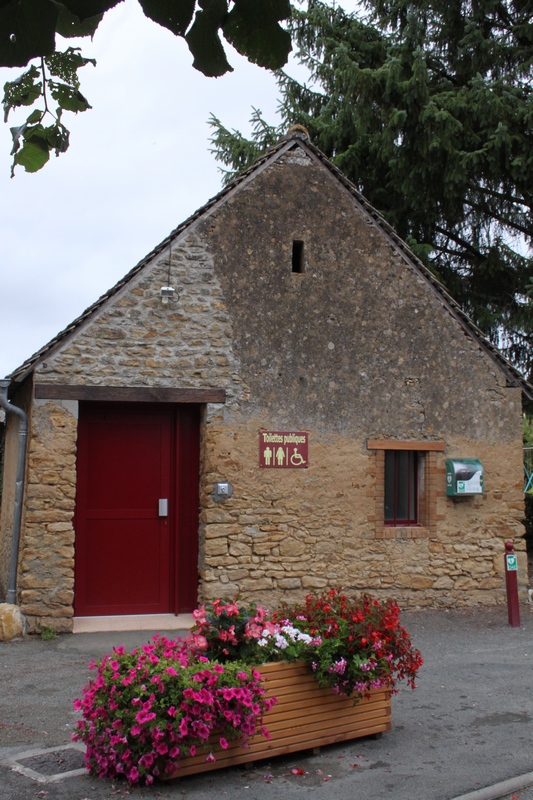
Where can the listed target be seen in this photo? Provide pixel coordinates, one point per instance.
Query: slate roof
(295, 138)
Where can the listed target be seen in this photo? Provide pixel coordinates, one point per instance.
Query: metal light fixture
(167, 293)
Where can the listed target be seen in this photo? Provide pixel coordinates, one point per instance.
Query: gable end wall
(356, 347)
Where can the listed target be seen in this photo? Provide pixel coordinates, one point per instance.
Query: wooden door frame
(184, 543)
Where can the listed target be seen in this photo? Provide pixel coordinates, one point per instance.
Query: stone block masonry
(305, 530)
(354, 347)
(46, 576)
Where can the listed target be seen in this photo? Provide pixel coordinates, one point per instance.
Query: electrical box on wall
(464, 477)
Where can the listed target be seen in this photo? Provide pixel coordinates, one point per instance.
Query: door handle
(163, 507)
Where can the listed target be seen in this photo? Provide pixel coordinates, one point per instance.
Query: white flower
(280, 642)
(291, 632)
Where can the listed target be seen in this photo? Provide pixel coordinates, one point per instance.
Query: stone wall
(286, 532)
(356, 347)
(135, 340)
(46, 571)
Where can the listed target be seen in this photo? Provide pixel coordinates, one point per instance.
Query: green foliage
(233, 150)
(528, 522)
(28, 30)
(528, 431)
(147, 709)
(427, 108)
(351, 645)
(32, 141)
(47, 634)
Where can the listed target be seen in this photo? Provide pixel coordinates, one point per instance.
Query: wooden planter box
(304, 717)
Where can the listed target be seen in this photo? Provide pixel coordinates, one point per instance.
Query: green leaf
(204, 40)
(35, 116)
(266, 47)
(34, 153)
(69, 25)
(27, 30)
(262, 13)
(16, 133)
(58, 137)
(253, 30)
(85, 9)
(68, 97)
(66, 64)
(176, 15)
(23, 91)
(38, 142)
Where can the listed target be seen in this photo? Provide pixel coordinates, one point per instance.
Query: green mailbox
(464, 477)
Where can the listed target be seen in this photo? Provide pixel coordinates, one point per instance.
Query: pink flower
(210, 757)
(199, 614)
(144, 716)
(271, 627)
(254, 630)
(223, 743)
(147, 760)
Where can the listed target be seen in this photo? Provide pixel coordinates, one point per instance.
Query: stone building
(278, 423)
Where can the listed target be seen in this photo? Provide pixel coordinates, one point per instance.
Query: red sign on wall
(283, 449)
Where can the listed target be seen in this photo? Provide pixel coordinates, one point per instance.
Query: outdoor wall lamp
(167, 293)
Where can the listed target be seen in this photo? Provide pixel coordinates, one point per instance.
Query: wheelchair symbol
(297, 458)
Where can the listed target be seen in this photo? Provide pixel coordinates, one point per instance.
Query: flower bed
(304, 717)
(175, 707)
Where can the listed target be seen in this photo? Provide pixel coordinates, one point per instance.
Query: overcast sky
(137, 166)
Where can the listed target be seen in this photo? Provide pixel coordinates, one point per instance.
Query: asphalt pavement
(466, 732)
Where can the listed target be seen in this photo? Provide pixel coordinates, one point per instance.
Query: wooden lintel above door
(127, 394)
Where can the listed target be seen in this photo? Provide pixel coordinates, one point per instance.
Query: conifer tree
(427, 107)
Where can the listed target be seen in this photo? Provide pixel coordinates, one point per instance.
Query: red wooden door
(128, 557)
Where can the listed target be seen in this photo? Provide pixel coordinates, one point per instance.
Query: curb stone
(498, 790)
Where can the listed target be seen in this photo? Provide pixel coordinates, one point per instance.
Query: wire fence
(528, 469)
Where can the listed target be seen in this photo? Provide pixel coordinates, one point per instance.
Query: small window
(401, 487)
(297, 256)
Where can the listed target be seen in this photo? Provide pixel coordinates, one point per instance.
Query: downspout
(19, 487)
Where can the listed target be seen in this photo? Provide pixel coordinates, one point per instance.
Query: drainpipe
(19, 486)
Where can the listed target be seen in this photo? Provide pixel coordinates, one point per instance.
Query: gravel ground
(469, 724)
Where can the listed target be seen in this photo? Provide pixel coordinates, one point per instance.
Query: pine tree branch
(467, 246)
(491, 212)
(510, 198)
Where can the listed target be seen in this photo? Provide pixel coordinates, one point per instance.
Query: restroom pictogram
(284, 449)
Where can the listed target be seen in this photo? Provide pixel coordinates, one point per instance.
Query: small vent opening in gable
(297, 256)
